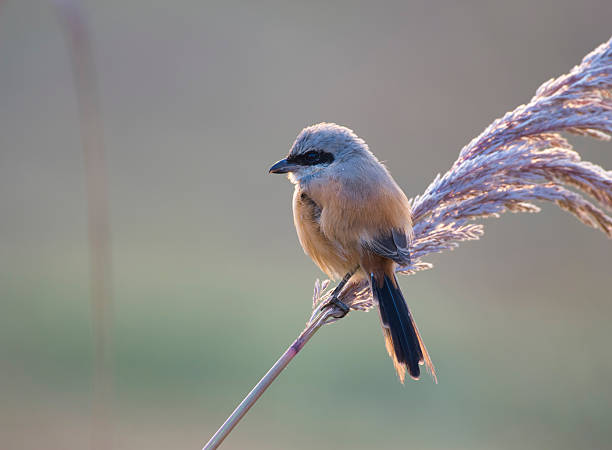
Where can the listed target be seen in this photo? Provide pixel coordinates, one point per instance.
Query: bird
(354, 222)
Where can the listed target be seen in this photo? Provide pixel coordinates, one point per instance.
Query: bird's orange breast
(330, 258)
(333, 220)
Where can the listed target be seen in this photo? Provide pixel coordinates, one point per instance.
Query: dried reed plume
(520, 158)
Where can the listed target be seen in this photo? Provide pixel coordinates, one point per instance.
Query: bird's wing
(394, 245)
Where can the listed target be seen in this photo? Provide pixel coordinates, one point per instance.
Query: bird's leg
(334, 300)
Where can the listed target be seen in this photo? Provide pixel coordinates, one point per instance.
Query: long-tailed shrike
(354, 221)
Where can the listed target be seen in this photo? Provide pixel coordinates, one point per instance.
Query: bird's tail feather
(402, 338)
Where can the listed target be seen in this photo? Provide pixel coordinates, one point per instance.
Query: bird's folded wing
(393, 245)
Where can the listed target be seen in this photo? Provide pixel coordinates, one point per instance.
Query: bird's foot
(338, 304)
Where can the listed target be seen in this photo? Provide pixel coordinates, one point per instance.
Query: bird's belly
(331, 258)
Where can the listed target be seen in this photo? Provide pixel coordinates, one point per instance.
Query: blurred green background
(210, 284)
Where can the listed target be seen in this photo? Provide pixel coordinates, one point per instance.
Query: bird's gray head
(321, 149)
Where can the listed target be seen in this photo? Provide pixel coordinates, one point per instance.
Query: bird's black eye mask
(311, 158)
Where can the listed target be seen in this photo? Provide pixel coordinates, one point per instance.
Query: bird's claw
(339, 304)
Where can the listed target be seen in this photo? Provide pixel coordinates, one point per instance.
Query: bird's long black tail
(402, 337)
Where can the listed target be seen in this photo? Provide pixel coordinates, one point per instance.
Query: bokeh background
(209, 283)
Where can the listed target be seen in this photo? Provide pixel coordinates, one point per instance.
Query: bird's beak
(283, 166)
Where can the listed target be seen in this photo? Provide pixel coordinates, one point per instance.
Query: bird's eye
(311, 157)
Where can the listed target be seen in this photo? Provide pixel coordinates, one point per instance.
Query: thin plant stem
(324, 316)
(78, 42)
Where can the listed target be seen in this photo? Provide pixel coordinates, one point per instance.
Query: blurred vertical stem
(78, 41)
(326, 315)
